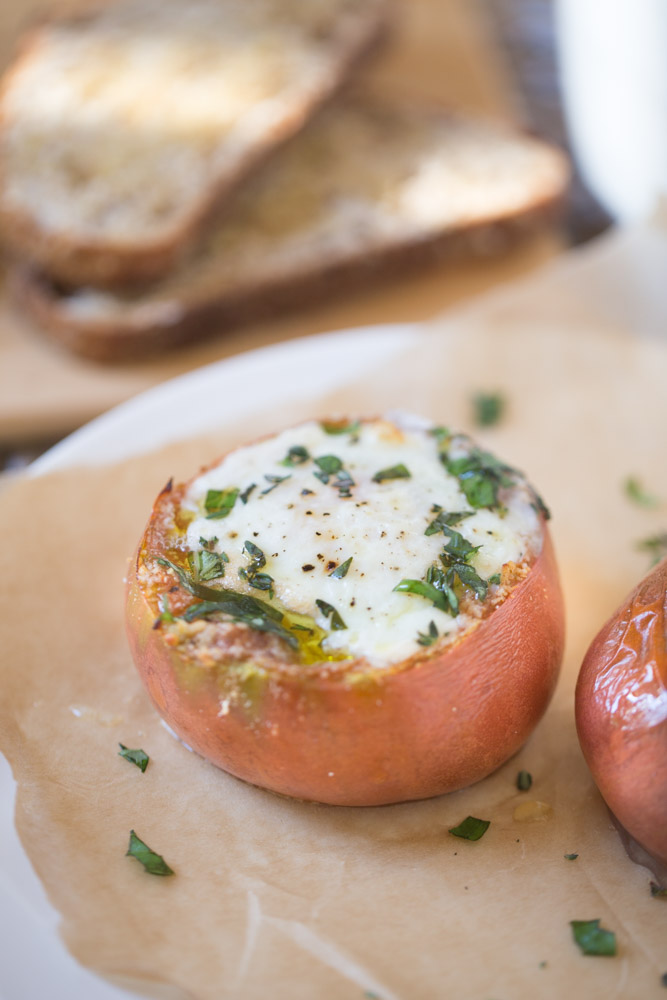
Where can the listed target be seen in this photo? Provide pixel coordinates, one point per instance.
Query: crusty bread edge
(108, 265)
(117, 341)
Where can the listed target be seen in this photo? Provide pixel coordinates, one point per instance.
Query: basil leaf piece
(206, 565)
(658, 891)
(495, 579)
(138, 757)
(488, 408)
(208, 543)
(663, 979)
(329, 464)
(329, 611)
(257, 557)
(243, 497)
(296, 455)
(424, 589)
(656, 546)
(524, 780)
(635, 492)
(470, 578)
(480, 475)
(153, 863)
(395, 472)
(593, 939)
(445, 583)
(441, 434)
(273, 482)
(340, 571)
(471, 828)
(570, 857)
(444, 520)
(219, 503)
(336, 427)
(458, 547)
(165, 612)
(428, 638)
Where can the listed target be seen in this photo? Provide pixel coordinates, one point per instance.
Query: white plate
(35, 963)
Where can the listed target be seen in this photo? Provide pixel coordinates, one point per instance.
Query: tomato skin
(621, 712)
(433, 724)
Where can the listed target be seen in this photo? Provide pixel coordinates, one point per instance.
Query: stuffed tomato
(355, 613)
(621, 712)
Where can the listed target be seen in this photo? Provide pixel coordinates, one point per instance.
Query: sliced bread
(123, 126)
(367, 187)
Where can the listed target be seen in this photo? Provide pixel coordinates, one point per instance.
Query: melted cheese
(306, 529)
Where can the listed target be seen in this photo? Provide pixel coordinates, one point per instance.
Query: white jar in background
(613, 67)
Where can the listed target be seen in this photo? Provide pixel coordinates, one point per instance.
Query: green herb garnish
(153, 863)
(395, 472)
(471, 828)
(273, 482)
(635, 492)
(428, 638)
(165, 612)
(488, 408)
(524, 780)
(446, 520)
(336, 427)
(328, 465)
(663, 979)
(658, 891)
(208, 543)
(570, 857)
(296, 455)
(243, 497)
(331, 465)
(329, 611)
(441, 434)
(420, 588)
(495, 579)
(251, 574)
(593, 939)
(480, 475)
(219, 503)
(137, 757)
(656, 546)
(207, 565)
(243, 608)
(340, 571)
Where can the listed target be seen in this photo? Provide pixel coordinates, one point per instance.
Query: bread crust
(106, 264)
(115, 340)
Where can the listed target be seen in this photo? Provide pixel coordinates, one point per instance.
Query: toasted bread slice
(122, 127)
(365, 188)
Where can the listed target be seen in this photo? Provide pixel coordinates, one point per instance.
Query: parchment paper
(281, 899)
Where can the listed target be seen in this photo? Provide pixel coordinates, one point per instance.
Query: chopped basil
(441, 434)
(524, 780)
(328, 464)
(480, 476)
(329, 611)
(336, 427)
(243, 497)
(445, 583)
(138, 757)
(260, 581)
(658, 891)
(208, 543)
(570, 857)
(420, 588)
(340, 571)
(656, 546)
(296, 455)
(219, 503)
(243, 608)
(471, 828)
(428, 638)
(165, 613)
(635, 492)
(206, 565)
(273, 481)
(153, 863)
(458, 547)
(593, 939)
(444, 520)
(663, 979)
(488, 408)
(331, 465)
(395, 472)
(495, 579)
